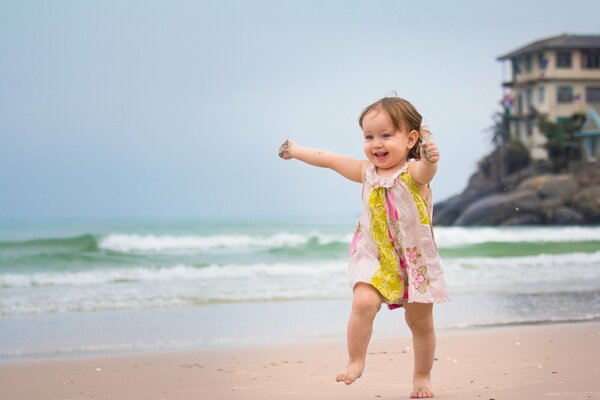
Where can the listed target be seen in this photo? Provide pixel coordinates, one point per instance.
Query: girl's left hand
(430, 152)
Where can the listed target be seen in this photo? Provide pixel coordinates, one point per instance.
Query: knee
(420, 325)
(366, 302)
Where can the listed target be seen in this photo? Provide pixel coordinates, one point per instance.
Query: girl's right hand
(284, 149)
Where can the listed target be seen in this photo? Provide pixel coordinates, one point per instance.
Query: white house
(552, 78)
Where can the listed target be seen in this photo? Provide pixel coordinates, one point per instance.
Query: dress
(393, 248)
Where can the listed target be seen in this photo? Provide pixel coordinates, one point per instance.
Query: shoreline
(560, 360)
(77, 335)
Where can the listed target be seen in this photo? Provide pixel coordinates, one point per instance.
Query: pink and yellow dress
(393, 248)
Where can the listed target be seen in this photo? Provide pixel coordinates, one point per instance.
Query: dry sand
(559, 361)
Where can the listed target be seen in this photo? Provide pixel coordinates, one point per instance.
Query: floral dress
(393, 248)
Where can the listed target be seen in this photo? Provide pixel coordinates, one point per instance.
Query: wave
(85, 242)
(520, 249)
(151, 243)
(525, 322)
(179, 273)
(469, 272)
(483, 241)
(531, 274)
(462, 236)
(573, 276)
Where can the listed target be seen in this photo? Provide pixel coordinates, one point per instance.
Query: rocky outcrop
(587, 201)
(529, 196)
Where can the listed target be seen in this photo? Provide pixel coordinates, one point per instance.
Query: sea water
(94, 286)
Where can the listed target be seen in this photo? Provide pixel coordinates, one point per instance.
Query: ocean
(79, 287)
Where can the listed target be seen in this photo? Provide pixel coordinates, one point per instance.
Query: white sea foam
(539, 273)
(180, 285)
(167, 243)
(445, 237)
(164, 274)
(460, 236)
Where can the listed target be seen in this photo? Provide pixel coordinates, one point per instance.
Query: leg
(365, 305)
(419, 317)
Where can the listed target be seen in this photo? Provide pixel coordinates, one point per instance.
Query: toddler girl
(394, 259)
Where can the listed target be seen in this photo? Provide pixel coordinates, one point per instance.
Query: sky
(126, 109)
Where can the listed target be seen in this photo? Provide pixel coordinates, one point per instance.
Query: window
(529, 97)
(564, 94)
(590, 59)
(528, 63)
(541, 95)
(563, 59)
(592, 95)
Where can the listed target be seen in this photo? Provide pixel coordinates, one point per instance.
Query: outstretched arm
(423, 170)
(346, 166)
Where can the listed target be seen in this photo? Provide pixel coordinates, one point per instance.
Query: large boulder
(587, 201)
(525, 218)
(498, 208)
(561, 187)
(566, 216)
(512, 181)
(446, 212)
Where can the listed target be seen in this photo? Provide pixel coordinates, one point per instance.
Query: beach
(228, 309)
(554, 361)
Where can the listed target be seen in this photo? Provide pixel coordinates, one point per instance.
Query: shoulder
(367, 168)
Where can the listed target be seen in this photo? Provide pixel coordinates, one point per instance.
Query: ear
(413, 136)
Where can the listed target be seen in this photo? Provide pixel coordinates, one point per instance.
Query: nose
(377, 141)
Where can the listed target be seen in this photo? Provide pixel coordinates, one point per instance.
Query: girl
(394, 259)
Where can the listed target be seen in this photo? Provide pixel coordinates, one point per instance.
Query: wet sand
(560, 361)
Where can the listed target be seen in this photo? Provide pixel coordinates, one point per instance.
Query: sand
(560, 361)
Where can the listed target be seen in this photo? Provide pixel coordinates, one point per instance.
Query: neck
(389, 171)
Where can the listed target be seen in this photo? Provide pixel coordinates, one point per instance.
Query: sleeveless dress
(393, 248)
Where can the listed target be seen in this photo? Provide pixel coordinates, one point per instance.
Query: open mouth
(380, 155)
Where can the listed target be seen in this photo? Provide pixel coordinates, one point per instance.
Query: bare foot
(422, 388)
(352, 372)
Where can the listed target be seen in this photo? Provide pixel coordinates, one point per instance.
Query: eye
(386, 135)
(368, 137)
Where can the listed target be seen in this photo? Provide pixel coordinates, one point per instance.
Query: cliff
(520, 193)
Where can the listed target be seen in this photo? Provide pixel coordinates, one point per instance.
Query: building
(552, 78)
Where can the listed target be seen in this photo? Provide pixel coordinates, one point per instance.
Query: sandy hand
(430, 151)
(284, 149)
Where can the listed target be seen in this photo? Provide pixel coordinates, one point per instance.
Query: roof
(564, 41)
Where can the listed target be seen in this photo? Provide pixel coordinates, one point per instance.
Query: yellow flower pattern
(417, 197)
(386, 279)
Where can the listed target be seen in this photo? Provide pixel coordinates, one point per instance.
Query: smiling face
(386, 146)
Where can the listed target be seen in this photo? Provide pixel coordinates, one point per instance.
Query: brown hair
(402, 114)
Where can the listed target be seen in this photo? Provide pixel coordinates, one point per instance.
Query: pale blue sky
(156, 108)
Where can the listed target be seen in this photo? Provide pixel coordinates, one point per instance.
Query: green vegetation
(563, 147)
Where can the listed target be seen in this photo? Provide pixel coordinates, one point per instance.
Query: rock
(524, 219)
(586, 173)
(498, 208)
(530, 195)
(566, 216)
(561, 187)
(587, 202)
(512, 181)
(445, 213)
